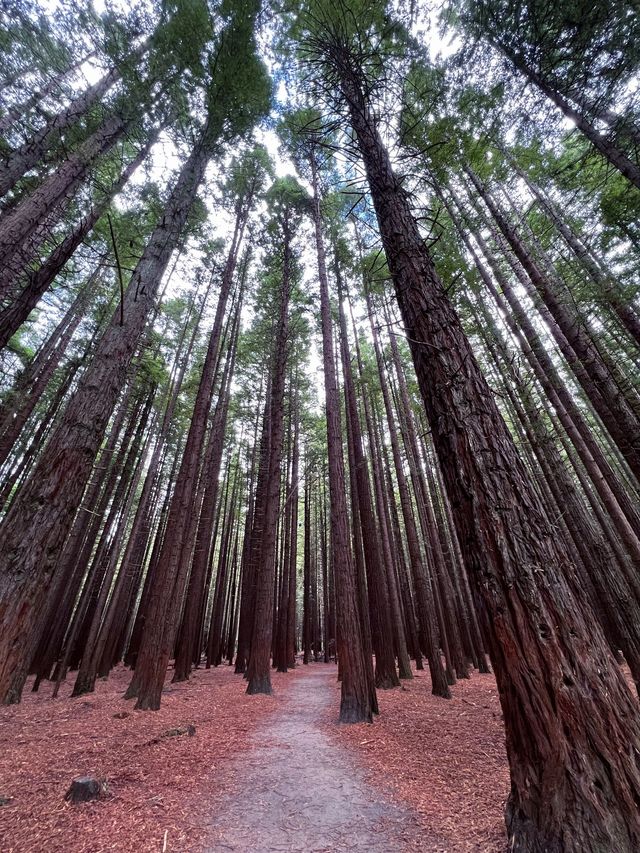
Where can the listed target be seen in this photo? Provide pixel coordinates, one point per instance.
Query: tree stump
(86, 788)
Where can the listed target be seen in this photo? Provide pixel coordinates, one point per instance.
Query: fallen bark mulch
(162, 788)
(444, 758)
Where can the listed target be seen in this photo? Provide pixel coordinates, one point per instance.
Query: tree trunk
(608, 287)
(611, 591)
(53, 194)
(611, 491)
(20, 161)
(33, 531)
(598, 383)
(259, 670)
(174, 559)
(30, 392)
(285, 644)
(571, 724)
(40, 279)
(252, 544)
(203, 544)
(599, 141)
(93, 644)
(355, 703)
(386, 675)
(425, 597)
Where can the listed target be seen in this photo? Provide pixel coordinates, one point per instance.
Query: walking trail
(299, 790)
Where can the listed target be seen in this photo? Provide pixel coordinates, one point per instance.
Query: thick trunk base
(13, 696)
(260, 684)
(354, 711)
(405, 673)
(13, 685)
(439, 684)
(575, 830)
(83, 686)
(483, 666)
(386, 682)
(147, 702)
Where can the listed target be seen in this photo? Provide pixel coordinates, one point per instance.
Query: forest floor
(261, 773)
(445, 759)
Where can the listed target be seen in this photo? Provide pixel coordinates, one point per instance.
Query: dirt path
(301, 791)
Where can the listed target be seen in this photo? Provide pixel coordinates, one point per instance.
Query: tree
(287, 199)
(556, 50)
(174, 560)
(545, 652)
(34, 530)
(355, 703)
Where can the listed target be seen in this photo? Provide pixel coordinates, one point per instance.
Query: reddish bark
(258, 669)
(174, 560)
(425, 598)
(189, 631)
(574, 779)
(39, 280)
(53, 194)
(576, 344)
(611, 491)
(355, 704)
(32, 151)
(35, 528)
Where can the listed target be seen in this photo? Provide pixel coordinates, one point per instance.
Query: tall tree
(286, 199)
(549, 661)
(174, 560)
(555, 49)
(34, 530)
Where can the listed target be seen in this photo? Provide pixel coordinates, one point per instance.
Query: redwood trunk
(571, 724)
(355, 704)
(33, 532)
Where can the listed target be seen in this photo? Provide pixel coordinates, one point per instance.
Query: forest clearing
(320, 426)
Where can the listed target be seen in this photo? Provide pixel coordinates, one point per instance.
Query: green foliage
(239, 91)
(201, 65)
(248, 172)
(179, 42)
(22, 349)
(197, 219)
(151, 370)
(287, 199)
(31, 41)
(573, 44)
(301, 132)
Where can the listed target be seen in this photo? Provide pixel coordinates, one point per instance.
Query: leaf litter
(445, 758)
(162, 790)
